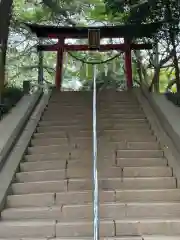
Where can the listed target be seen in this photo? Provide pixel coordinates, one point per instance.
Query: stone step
(54, 116)
(137, 227)
(160, 237)
(113, 172)
(46, 165)
(125, 183)
(101, 238)
(50, 141)
(86, 184)
(57, 199)
(68, 128)
(85, 142)
(27, 229)
(139, 153)
(117, 172)
(143, 132)
(85, 197)
(39, 176)
(135, 137)
(156, 237)
(74, 152)
(80, 148)
(78, 122)
(148, 227)
(45, 157)
(109, 211)
(141, 162)
(88, 126)
(128, 136)
(63, 150)
(100, 109)
(35, 163)
(82, 133)
(61, 134)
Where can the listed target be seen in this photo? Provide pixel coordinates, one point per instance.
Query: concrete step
(86, 184)
(27, 229)
(63, 150)
(145, 195)
(31, 200)
(160, 237)
(114, 211)
(117, 172)
(135, 137)
(137, 227)
(147, 172)
(61, 134)
(141, 162)
(50, 141)
(39, 176)
(56, 199)
(129, 115)
(68, 128)
(46, 165)
(139, 153)
(125, 183)
(74, 142)
(46, 157)
(88, 134)
(148, 227)
(39, 187)
(35, 164)
(53, 117)
(88, 126)
(113, 172)
(78, 122)
(143, 132)
(156, 237)
(69, 198)
(75, 133)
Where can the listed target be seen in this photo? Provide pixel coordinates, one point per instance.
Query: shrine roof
(129, 31)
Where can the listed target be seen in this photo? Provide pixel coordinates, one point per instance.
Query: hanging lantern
(94, 39)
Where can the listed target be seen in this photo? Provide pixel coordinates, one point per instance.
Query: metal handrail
(95, 174)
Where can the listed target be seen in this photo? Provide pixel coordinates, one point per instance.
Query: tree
(153, 11)
(5, 16)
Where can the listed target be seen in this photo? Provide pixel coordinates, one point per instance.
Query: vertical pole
(95, 170)
(128, 64)
(156, 63)
(59, 64)
(40, 67)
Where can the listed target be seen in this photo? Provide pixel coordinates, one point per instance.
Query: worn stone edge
(16, 156)
(160, 130)
(19, 126)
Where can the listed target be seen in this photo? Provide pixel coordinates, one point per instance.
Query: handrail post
(40, 65)
(95, 174)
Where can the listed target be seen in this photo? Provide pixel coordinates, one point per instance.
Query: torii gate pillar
(59, 64)
(128, 64)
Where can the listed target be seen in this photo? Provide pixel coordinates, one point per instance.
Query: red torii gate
(128, 32)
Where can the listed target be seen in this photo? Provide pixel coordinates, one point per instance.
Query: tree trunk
(5, 16)
(157, 69)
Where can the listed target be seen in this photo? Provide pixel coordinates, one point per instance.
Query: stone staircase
(51, 196)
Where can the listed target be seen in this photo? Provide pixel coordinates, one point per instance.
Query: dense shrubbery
(11, 95)
(174, 98)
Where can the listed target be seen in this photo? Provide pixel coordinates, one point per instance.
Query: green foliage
(10, 97)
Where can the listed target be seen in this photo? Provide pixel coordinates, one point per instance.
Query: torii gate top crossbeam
(125, 31)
